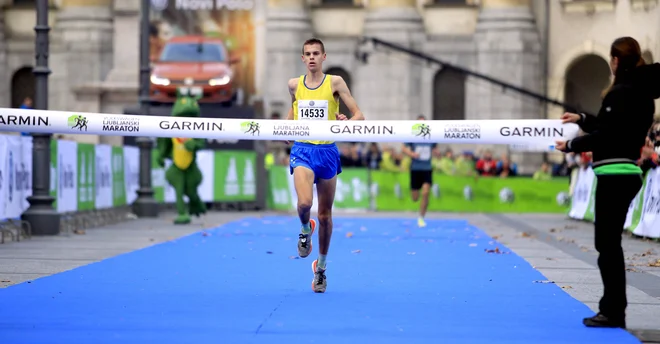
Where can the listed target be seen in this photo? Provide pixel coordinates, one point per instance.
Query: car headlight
(220, 81)
(156, 80)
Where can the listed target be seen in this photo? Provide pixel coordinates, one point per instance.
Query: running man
(315, 97)
(421, 173)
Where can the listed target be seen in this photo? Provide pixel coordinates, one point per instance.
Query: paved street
(560, 249)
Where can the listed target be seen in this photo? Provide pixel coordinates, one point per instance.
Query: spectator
(649, 157)
(565, 167)
(373, 157)
(350, 156)
(446, 163)
(389, 160)
(486, 166)
(505, 168)
(543, 173)
(27, 105)
(465, 165)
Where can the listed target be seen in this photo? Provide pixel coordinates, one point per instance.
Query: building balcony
(338, 18)
(588, 7)
(451, 17)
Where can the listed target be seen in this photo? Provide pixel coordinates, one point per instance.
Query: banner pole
(42, 217)
(145, 205)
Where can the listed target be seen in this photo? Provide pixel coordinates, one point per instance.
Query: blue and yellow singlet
(315, 104)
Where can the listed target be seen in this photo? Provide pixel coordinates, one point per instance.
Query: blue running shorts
(322, 159)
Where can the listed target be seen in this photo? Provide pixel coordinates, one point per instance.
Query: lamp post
(41, 215)
(145, 205)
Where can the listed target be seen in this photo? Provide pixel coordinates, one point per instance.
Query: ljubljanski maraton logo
(361, 129)
(121, 123)
(291, 130)
(77, 122)
(532, 132)
(422, 130)
(466, 131)
(250, 127)
(191, 126)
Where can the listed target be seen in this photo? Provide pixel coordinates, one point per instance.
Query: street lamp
(41, 215)
(145, 205)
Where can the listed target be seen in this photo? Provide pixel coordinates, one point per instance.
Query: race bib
(424, 152)
(312, 110)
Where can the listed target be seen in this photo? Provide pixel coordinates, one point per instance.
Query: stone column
(125, 35)
(508, 49)
(388, 86)
(85, 29)
(288, 25)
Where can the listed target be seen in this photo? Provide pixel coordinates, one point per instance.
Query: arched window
(449, 95)
(586, 79)
(347, 77)
(22, 86)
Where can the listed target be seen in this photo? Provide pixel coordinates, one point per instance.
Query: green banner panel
(235, 176)
(86, 176)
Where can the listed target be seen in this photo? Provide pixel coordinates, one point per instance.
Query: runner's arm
(339, 86)
(293, 84)
(407, 151)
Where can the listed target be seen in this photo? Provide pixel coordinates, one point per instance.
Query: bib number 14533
(312, 110)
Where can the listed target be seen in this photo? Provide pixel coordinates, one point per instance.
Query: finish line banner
(536, 132)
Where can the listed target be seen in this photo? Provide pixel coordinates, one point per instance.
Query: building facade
(558, 48)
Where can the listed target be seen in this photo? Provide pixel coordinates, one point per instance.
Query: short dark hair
(313, 41)
(421, 117)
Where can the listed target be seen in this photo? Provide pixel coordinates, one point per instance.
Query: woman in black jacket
(615, 137)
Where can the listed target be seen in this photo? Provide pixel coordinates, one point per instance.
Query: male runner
(421, 173)
(315, 97)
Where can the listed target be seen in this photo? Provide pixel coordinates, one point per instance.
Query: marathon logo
(291, 130)
(121, 123)
(462, 131)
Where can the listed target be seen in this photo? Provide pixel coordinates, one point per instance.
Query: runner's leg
(415, 185)
(326, 192)
(303, 180)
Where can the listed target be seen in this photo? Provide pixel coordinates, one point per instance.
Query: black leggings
(613, 196)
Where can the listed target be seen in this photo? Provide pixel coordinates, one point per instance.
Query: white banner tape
(537, 132)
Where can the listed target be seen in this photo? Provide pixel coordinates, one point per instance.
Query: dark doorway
(22, 86)
(449, 95)
(586, 79)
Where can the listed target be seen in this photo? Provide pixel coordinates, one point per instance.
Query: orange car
(201, 64)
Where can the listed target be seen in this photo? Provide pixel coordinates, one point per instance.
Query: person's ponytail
(626, 49)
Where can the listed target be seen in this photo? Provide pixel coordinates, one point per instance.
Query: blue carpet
(389, 282)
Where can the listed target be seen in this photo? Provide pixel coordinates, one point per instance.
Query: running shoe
(319, 282)
(305, 241)
(421, 223)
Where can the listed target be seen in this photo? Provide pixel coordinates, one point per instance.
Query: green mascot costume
(184, 175)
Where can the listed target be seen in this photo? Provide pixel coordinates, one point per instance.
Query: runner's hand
(560, 146)
(569, 117)
(341, 117)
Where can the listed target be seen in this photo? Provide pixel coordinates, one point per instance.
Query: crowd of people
(444, 161)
